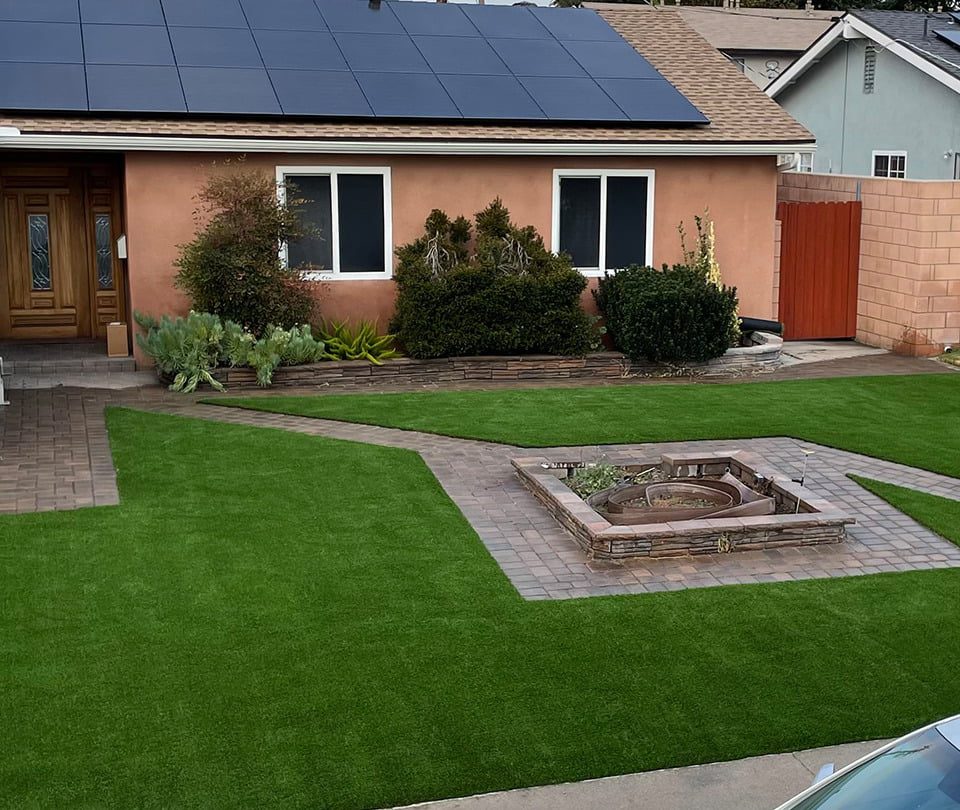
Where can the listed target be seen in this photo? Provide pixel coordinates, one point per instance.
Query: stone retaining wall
(809, 520)
(762, 355)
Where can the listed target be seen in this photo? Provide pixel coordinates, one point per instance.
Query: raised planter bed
(762, 354)
(802, 518)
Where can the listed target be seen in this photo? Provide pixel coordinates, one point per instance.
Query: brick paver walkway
(54, 454)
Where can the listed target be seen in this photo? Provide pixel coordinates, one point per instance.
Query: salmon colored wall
(739, 192)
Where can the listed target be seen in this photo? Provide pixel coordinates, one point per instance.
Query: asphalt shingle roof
(738, 111)
(915, 29)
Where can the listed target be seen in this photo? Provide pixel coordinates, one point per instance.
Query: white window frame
(887, 153)
(805, 163)
(333, 273)
(602, 175)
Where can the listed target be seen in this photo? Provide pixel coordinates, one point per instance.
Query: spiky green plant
(361, 342)
(185, 348)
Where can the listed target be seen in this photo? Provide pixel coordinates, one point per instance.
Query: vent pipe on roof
(373, 5)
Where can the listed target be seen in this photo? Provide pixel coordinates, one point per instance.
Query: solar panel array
(950, 35)
(328, 58)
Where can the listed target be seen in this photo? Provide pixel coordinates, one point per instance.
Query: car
(920, 771)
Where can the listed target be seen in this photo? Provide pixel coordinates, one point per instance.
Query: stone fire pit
(701, 503)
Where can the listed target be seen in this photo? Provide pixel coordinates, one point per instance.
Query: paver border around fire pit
(815, 520)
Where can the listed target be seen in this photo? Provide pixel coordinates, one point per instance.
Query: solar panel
(290, 15)
(505, 21)
(39, 11)
(229, 90)
(40, 42)
(407, 95)
(38, 86)
(129, 12)
(953, 37)
(463, 55)
(330, 58)
(437, 18)
(213, 13)
(651, 100)
(215, 47)
(135, 88)
(536, 57)
(583, 24)
(388, 53)
(572, 99)
(615, 60)
(491, 97)
(301, 50)
(302, 92)
(356, 17)
(126, 45)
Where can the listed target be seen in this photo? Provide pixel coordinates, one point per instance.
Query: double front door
(60, 276)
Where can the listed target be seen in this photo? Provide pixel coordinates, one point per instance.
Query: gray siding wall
(907, 111)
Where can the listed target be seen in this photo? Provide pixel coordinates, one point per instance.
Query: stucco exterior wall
(907, 110)
(909, 282)
(160, 190)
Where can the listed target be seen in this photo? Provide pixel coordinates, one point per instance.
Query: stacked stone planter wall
(762, 355)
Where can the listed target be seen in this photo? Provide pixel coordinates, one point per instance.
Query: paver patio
(55, 455)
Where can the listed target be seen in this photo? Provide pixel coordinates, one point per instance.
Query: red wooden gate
(819, 264)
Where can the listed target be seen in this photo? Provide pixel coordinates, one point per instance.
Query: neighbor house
(114, 115)
(881, 92)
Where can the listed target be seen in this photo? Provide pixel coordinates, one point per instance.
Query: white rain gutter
(11, 138)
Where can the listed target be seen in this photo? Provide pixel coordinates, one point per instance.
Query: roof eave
(164, 143)
(852, 27)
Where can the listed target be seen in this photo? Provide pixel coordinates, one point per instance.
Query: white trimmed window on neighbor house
(348, 210)
(890, 164)
(603, 219)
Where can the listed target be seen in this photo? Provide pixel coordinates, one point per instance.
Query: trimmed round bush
(673, 315)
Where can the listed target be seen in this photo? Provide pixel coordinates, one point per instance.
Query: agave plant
(362, 342)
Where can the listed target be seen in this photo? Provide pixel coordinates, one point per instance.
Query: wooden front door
(819, 269)
(60, 276)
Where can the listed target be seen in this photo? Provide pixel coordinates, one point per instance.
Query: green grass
(941, 515)
(893, 418)
(274, 620)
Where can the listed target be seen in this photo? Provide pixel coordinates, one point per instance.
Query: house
(379, 112)
(880, 91)
(762, 42)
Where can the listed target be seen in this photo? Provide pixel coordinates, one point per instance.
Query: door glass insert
(104, 246)
(39, 226)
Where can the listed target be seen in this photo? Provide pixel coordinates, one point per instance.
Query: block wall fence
(909, 282)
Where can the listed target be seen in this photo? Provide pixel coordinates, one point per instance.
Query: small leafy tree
(232, 268)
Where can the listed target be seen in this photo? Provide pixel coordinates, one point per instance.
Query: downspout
(843, 109)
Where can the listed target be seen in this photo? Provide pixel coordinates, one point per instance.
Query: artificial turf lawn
(903, 419)
(275, 620)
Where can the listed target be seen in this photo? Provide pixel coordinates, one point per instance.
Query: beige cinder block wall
(909, 283)
(740, 192)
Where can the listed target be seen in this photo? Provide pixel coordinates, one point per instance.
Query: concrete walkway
(758, 783)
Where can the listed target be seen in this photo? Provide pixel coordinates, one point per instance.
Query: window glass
(921, 772)
(316, 248)
(580, 220)
(104, 250)
(39, 227)
(889, 165)
(626, 222)
(360, 210)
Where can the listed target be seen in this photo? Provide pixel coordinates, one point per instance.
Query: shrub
(232, 268)
(673, 315)
(187, 349)
(363, 342)
(190, 349)
(509, 295)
